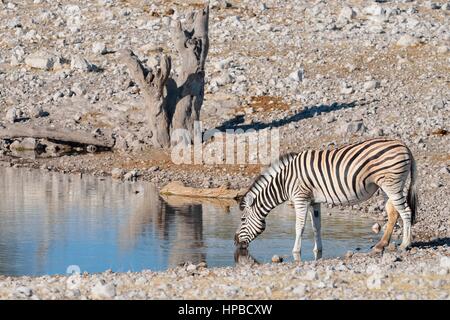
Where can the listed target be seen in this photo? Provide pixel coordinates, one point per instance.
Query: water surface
(51, 221)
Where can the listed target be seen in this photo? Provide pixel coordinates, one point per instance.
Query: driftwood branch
(179, 189)
(63, 135)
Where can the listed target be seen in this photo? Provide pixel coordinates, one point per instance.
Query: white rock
(79, 63)
(11, 115)
(445, 263)
(131, 175)
(297, 75)
(117, 173)
(407, 40)
(29, 144)
(346, 14)
(370, 85)
(41, 60)
(24, 291)
(347, 90)
(73, 282)
(376, 227)
(78, 89)
(17, 56)
(442, 49)
(99, 48)
(375, 281)
(311, 275)
(356, 127)
(374, 10)
(37, 112)
(300, 290)
(103, 291)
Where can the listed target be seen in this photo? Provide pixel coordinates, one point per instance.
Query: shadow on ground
(308, 112)
(431, 244)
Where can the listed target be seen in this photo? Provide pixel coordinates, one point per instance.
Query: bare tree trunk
(192, 44)
(152, 87)
(174, 103)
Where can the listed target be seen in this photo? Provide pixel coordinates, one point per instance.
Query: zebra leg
(399, 202)
(392, 219)
(301, 208)
(315, 221)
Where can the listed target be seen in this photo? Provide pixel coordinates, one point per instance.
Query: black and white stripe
(347, 175)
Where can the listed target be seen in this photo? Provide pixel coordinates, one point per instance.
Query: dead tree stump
(174, 102)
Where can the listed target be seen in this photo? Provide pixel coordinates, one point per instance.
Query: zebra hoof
(379, 247)
(404, 248)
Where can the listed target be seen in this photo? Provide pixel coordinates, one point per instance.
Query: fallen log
(57, 134)
(179, 189)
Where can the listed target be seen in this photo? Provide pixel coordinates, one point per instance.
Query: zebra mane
(267, 175)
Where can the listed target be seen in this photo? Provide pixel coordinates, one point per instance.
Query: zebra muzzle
(241, 245)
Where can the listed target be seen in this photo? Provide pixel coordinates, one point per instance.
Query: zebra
(342, 176)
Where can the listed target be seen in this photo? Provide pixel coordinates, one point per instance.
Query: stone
(78, 89)
(11, 115)
(131, 175)
(407, 40)
(299, 290)
(311, 275)
(371, 84)
(41, 60)
(376, 228)
(37, 112)
(277, 259)
(374, 282)
(99, 48)
(103, 290)
(297, 75)
(80, 63)
(17, 56)
(347, 89)
(117, 173)
(445, 263)
(442, 49)
(29, 144)
(73, 282)
(346, 14)
(356, 127)
(24, 291)
(374, 10)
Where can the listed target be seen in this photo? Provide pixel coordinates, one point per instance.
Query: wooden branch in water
(63, 135)
(179, 189)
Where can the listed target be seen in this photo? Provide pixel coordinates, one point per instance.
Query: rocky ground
(420, 273)
(322, 72)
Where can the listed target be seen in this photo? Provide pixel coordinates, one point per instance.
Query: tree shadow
(307, 112)
(431, 244)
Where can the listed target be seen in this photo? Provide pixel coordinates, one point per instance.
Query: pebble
(407, 40)
(11, 115)
(103, 290)
(376, 228)
(99, 48)
(300, 290)
(24, 291)
(277, 259)
(79, 63)
(370, 85)
(117, 173)
(41, 60)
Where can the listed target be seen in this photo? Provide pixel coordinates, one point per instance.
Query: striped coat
(347, 175)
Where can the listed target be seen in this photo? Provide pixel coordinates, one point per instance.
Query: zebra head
(252, 222)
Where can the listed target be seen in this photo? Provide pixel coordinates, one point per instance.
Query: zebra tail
(412, 195)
